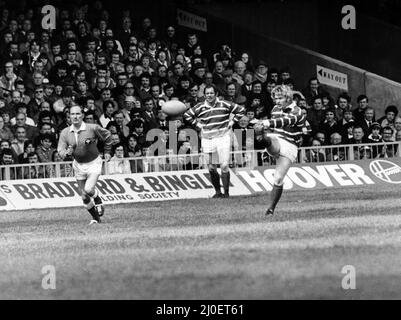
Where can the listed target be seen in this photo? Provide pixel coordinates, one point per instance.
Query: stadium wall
(179, 185)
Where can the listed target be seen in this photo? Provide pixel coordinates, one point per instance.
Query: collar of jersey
(81, 128)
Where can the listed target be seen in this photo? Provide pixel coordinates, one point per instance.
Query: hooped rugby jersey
(214, 119)
(288, 122)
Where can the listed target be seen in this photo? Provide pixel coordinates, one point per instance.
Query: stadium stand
(121, 72)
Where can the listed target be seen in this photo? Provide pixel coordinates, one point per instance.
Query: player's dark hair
(210, 86)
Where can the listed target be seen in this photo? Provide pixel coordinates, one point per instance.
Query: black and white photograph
(200, 154)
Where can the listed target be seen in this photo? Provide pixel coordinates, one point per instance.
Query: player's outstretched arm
(290, 119)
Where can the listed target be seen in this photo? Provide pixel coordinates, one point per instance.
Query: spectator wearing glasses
(36, 101)
(193, 97)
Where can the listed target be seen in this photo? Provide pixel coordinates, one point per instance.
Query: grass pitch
(210, 249)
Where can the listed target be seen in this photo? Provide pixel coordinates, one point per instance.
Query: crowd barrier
(249, 159)
(190, 184)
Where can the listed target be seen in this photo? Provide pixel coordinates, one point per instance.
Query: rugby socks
(90, 206)
(215, 178)
(225, 178)
(96, 197)
(275, 196)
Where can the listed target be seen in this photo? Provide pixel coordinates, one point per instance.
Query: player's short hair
(210, 86)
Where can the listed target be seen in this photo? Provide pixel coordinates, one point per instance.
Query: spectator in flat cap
(261, 70)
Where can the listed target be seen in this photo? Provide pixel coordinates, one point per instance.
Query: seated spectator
(107, 115)
(358, 136)
(22, 108)
(7, 160)
(20, 137)
(134, 150)
(336, 153)
(233, 95)
(28, 148)
(59, 170)
(117, 164)
(347, 132)
(315, 153)
(375, 136)
(45, 150)
(320, 136)
(34, 171)
(5, 132)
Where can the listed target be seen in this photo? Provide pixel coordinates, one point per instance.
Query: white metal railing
(172, 162)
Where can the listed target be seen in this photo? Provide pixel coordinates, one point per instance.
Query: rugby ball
(174, 107)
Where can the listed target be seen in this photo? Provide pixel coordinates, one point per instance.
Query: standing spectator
(343, 102)
(363, 103)
(316, 114)
(261, 71)
(313, 90)
(367, 121)
(391, 113)
(329, 126)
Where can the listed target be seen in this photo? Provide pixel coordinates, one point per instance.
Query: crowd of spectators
(121, 75)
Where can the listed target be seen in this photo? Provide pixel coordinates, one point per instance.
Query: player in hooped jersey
(215, 119)
(286, 125)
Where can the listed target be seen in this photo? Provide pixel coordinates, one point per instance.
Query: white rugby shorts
(287, 149)
(220, 145)
(83, 170)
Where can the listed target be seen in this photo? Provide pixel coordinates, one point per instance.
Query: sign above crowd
(332, 78)
(191, 20)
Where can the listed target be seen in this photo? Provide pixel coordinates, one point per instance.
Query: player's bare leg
(214, 175)
(282, 166)
(90, 189)
(88, 201)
